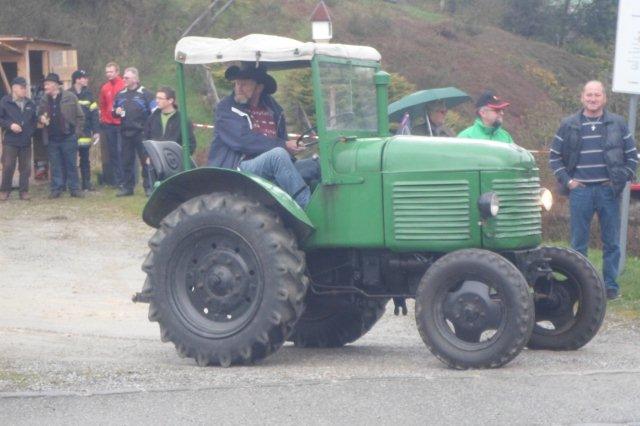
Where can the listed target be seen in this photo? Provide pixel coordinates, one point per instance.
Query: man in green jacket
(488, 124)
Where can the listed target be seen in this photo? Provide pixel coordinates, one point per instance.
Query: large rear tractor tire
(227, 280)
(474, 310)
(334, 321)
(570, 304)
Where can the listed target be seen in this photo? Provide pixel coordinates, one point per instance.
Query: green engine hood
(416, 153)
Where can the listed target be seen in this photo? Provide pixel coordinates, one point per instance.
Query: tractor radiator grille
(431, 211)
(519, 214)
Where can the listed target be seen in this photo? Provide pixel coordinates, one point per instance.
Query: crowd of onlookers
(68, 122)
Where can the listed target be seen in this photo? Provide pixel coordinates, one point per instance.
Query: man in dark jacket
(250, 132)
(18, 122)
(593, 156)
(63, 119)
(164, 123)
(133, 105)
(90, 132)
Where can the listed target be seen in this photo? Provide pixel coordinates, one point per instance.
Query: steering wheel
(305, 135)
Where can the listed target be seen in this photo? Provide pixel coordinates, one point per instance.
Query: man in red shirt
(110, 125)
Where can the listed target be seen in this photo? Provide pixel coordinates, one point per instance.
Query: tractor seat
(165, 158)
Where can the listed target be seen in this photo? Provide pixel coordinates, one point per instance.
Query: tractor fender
(177, 189)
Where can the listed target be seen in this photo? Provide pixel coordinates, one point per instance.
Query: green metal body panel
(403, 193)
(182, 187)
(350, 214)
(431, 211)
(519, 221)
(416, 153)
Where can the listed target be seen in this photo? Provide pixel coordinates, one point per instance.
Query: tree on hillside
(525, 17)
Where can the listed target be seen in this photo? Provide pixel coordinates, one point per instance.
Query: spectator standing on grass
(18, 122)
(90, 134)
(134, 104)
(593, 156)
(60, 113)
(110, 124)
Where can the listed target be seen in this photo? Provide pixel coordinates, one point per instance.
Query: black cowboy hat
(250, 71)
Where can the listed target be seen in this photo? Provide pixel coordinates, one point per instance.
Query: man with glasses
(133, 105)
(164, 122)
(488, 123)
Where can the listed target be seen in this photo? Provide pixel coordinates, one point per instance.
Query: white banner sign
(626, 70)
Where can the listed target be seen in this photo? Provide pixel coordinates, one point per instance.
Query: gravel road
(74, 349)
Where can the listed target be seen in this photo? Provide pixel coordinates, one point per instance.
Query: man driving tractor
(250, 132)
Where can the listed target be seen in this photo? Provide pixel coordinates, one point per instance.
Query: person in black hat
(90, 132)
(18, 122)
(488, 124)
(63, 122)
(250, 132)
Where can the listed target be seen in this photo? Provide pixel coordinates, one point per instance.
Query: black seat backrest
(165, 157)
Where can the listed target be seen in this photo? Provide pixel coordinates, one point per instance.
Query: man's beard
(240, 99)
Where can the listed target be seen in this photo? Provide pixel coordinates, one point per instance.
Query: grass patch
(101, 203)
(13, 379)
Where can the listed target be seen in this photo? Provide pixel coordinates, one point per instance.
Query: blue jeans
(276, 165)
(62, 152)
(114, 148)
(598, 199)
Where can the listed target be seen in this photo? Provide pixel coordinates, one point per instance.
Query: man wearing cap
(593, 156)
(90, 134)
(250, 132)
(63, 122)
(133, 105)
(488, 124)
(18, 122)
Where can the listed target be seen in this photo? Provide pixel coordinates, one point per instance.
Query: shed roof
(27, 39)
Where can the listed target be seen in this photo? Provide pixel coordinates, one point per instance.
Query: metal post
(182, 105)
(624, 200)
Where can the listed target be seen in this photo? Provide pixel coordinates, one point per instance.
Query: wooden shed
(33, 58)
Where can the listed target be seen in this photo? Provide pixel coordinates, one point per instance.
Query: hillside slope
(428, 48)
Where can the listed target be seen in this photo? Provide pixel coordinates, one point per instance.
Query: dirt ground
(71, 341)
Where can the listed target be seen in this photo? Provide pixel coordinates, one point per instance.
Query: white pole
(624, 200)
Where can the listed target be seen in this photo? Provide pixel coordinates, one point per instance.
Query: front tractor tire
(227, 280)
(570, 303)
(474, 310)
(334, 321)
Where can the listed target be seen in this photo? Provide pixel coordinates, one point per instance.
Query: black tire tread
(348, 324)
(584, 331)
(524, 322)
(292, 283)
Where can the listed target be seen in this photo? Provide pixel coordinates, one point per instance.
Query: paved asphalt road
(75, 350)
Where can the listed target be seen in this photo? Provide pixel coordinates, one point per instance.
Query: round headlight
(489, 204)
(546, 199)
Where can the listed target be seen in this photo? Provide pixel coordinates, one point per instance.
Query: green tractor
(237, 268)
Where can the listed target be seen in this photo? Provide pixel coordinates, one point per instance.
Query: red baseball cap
(489, 99)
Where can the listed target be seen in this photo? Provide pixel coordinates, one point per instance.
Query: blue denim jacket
(233, 139)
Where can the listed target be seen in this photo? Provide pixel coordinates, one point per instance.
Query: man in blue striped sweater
(593, 156)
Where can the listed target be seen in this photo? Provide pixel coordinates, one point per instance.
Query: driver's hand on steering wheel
(292, 147)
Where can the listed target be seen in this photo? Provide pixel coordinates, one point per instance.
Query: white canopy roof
(266, 48)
